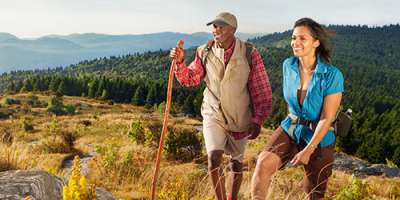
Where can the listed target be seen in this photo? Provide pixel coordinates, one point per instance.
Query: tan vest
(226, 97)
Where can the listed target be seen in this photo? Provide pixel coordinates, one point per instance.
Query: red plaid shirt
(258, 83)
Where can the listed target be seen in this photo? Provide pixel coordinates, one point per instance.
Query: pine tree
(139, 97)
(104, 94)
(151, 96)
(55, 81)
(92, 87)
(62, 88)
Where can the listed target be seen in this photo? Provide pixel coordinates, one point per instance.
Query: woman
(313, 90)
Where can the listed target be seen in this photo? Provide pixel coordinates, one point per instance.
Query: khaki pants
(217, 138)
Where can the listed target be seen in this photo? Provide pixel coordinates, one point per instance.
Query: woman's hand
(303, 157)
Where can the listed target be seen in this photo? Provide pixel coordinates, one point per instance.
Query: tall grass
(14, 157)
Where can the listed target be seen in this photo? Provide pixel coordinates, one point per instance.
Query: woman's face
(303, 44)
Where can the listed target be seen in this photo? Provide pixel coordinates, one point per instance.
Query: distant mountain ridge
(62, 50)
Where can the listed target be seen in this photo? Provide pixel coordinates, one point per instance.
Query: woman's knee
(268, 161)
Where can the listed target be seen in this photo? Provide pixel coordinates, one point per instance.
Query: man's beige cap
(224, 19)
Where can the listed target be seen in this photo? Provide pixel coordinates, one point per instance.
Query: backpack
(342, 123)
(210, 43)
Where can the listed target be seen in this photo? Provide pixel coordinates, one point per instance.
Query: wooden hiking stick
(165, 123)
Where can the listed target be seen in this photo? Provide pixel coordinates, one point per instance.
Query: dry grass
(126, 169)
(14, 157)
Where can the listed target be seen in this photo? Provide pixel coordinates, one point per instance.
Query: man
(236, 101)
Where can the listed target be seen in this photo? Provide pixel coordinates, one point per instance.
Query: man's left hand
(254, 131)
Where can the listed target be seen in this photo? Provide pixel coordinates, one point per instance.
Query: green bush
(10, 101)
(5, 114)
(137, 132)
(108, 154)
(183, 144)
(70, 109)
(33, 100)
(152, 133)
(356, 189)
(56, 105)
(69, 138)
(27, 123)
(161, 108)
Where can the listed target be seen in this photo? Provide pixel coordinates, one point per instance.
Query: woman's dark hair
(320, 33)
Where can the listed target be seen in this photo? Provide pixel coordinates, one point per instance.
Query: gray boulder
(39, 185)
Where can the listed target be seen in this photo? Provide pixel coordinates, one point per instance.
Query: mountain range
(61, 50)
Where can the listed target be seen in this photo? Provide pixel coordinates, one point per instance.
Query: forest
(367, 56)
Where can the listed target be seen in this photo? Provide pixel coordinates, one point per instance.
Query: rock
(361, 168)
(386, 170)
(39, 185)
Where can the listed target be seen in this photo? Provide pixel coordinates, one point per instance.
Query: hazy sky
(35, 18)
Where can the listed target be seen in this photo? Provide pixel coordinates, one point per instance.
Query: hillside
(365, 55)
(117, 145)
(61, 50)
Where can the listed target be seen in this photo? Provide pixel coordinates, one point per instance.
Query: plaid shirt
(258, 84)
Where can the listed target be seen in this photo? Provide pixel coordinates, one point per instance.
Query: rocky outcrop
(39, 185)
(362, 168)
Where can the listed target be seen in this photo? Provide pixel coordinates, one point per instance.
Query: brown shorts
(317, 171)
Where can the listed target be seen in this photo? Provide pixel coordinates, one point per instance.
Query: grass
(126, 169)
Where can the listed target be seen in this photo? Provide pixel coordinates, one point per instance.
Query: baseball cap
(223, 19)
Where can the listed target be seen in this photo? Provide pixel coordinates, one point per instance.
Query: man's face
(223, 33)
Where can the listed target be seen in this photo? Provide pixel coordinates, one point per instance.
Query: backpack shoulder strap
(205, 52)
(249, 50)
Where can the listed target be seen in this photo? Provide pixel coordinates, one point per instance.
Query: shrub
(86, 122)
(183, 145)
(58, 141)
(118, 167)
(6, 136)
(56, 105)
(54, 145)
(27, 123)
(69, 138)
(10, 101)
(354, 190)
(70, 109)
(153, 133)
(108, 154)
(33, 100)
(161, 108)
(5, 114)
(137, 132)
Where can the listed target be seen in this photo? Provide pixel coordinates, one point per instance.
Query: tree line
(367, 56)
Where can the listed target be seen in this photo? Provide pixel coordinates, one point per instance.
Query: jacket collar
(320, 68)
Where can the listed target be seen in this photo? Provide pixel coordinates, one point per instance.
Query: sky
(36, 18)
